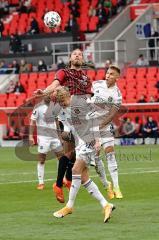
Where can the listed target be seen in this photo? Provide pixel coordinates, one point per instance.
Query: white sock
(100, 169)
(40, 170)
(94, 191)
(75, 186)
(113, 168)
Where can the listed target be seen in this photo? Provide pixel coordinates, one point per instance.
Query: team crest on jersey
(41, 147)
(110, 99)
(84, 80)
(76, 110)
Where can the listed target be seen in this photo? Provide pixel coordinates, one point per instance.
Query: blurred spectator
(152, 99)
(128, 128)
(22, 7)
(11, 87)
(73, 27)
(142, 99)
(101, 13)
(157, 84)
(24, 66)
(1, 28)
(152, 44)
(74, 7)
(3, 67)
(75, 34)
(60, 64)
(42, 66)
(69, 24)
(19, 88)
(4, 7)
(15, 43)
(108, 7)
(16, 66)
(34, 26)
(23, 130)
(150, 129)
(12, 131)
(141, 61)
(138, 128)
(91, 11)
(107, 64)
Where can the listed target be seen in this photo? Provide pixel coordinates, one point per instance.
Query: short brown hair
(115, 67)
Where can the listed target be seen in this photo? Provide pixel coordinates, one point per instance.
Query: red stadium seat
(24, 79)
(91, 74)
(83, 26)
(33, 76)
(100, 74)
(3, 96)
(11, 103)
(152, 71)
(3, 99)
(93, 24)
(12, 96)
(41, 85)
(130, 71)
(50, 78)
(2, 103)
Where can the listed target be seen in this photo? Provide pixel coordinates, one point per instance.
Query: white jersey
(45, 116)
(104, 98)
(83, 128)
(65, 117)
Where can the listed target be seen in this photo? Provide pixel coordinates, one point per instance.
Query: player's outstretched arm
(31, 132)
(49, 90)
(109, 117)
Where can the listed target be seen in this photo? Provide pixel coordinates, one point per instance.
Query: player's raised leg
(113, 170)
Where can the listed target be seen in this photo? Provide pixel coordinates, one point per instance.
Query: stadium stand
(18, 22)
(134, 82)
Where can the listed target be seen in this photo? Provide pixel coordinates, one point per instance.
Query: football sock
(94, 191)
(69, 171)
(113, 168)
(40, 170)
(100, 169)
(62, 166)
(75, 186)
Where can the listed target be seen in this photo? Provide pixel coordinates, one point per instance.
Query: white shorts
(46, 145)
(85, 152)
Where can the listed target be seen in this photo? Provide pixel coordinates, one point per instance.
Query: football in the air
(52, 19)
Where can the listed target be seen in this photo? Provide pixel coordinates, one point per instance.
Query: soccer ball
(52, 19)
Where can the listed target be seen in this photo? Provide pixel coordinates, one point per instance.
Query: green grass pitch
(26, 213)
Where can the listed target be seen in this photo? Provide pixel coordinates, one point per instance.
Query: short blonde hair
(62, 92)
(115, 67)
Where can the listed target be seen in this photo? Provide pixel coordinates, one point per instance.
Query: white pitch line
(23, 173)
(93, 176)
(34, 173)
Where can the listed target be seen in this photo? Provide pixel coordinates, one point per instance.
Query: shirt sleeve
(34, 115)
(118, 99)
(60, 76)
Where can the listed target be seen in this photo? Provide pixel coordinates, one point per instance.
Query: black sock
(69, 171)
(69, 168)
(63, 162)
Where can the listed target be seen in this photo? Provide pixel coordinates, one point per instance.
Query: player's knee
(42, 158)
(77, 169)
(109, 149)
(42, 162)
